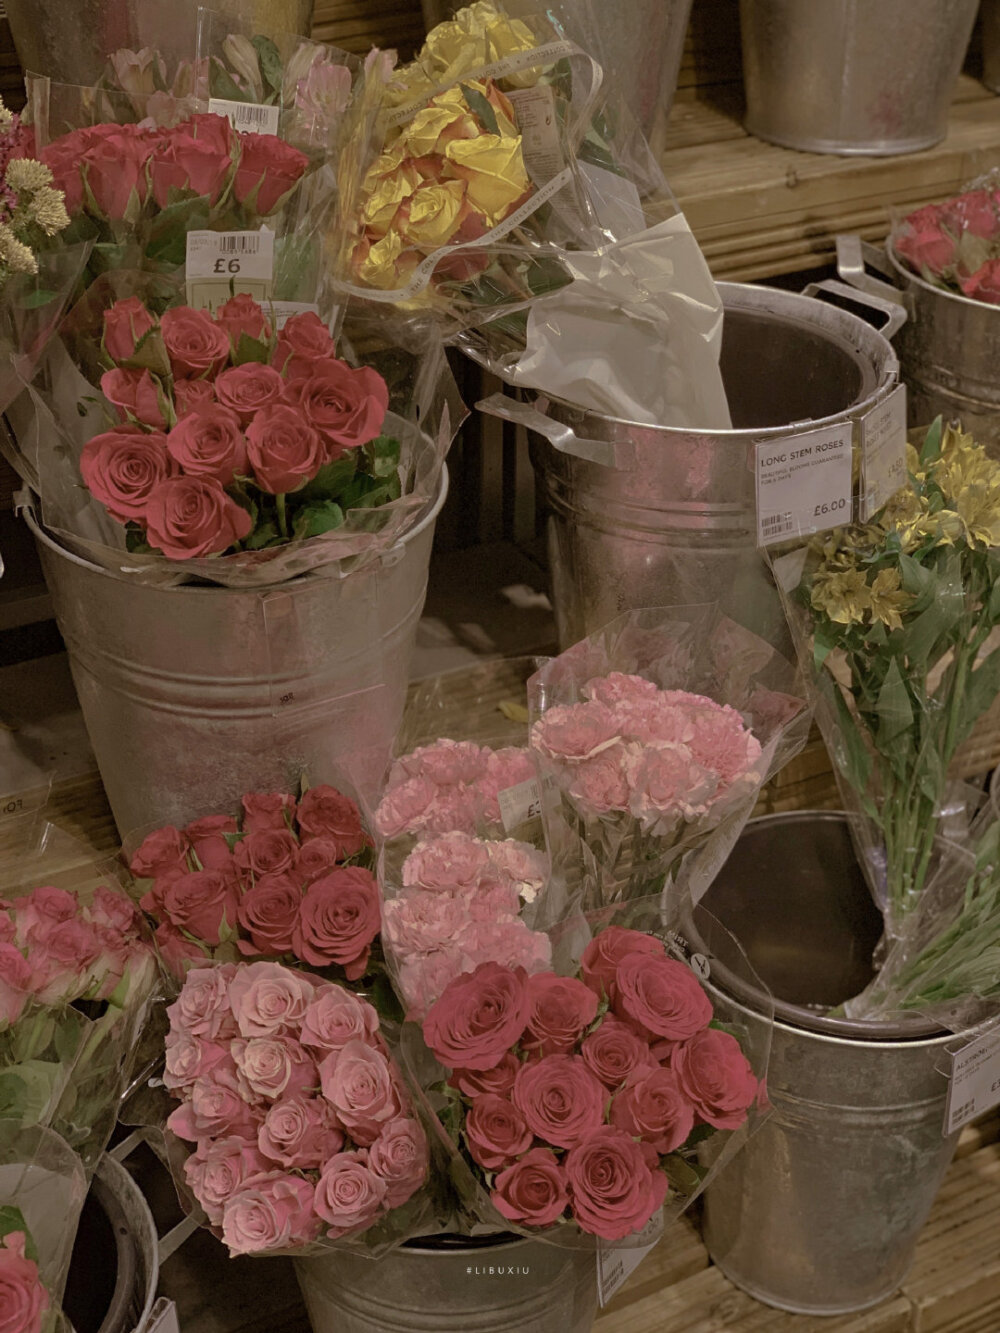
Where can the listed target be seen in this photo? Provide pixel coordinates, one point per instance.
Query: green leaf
(931, 447)
(150, 354)
(684, 1176)
(36, 299)
(270, 61)
(894, 711)
(825, 639)
(855, 760)
(221, 83)
(266, 534)
(251, 349)
(981, 689)
(314, 519)
(383, 456)
(479, 106)
(12, 1219)
(330, 480)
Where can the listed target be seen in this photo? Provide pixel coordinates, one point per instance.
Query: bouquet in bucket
(955, 244)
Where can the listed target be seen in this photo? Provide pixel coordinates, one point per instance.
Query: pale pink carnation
(445, 762)
(722, 742)
(523, 865)
(451, 862)
(496, 900)
(419, 922)
(601, 784)
(669, 785)
(657, 721)
(617, 687)
(508, 942)
(572, 732)
(423, 979)
(454, 808)
(403, 807)
(505, 768)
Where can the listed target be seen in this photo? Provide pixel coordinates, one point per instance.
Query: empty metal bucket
(852, 76)
(821, 1210)
(455, 1284)
(193, 696)
(670, 518)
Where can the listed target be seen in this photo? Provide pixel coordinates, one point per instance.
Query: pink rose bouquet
(302, 1128)
(26, 1306)
(581, 1099)
(289, 879)
(955, 244)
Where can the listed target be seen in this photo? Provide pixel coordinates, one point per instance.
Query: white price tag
(162, 1318)
(247, 117)
(617, 1263)
(804, 483)
(219, 264)
(518, 803)
(974, 1087)
(883, 452)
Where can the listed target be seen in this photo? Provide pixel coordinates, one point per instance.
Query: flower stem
(282, 517)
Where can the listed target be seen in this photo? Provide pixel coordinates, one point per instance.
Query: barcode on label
(961, 1112)
(250, 117)
(252, 114)
(239, 243)
(774, 524)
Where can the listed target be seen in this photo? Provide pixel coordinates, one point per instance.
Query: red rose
(499, 1080)
(202, 903)
(176, 950)
(195, 344)
(248, 388)
(338, 921)
(560, 1099)
(185, 159)
(975, 212)
(315, 858)
(136, 394)
(604, 952)
(269, 912)
(303, 342)
(613, 1189)
(561, 1008)
(984, 284)
(495, 1131)
(192, 516)
(189, 394)
(267, 852)
(653, 1107)
(267, 810)
(125, 323)
(325, 812)
(346, 406)
(268, 168)
(124, 468)
(925, 244)
(662, 996)
(208, 840)
(163, 850)
(713, 1071)
(208, 442)
(283, 449)
(614, 1050)
(479, 1017)
(532, 1191)
(241, 314)
(114, 168)
(63, 157)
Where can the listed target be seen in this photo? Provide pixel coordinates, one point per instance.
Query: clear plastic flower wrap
(233, 448)
(955, 244)
(653, 738)
(579, 1104)
(893, 623)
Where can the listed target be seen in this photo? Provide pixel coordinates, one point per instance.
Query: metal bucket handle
(854, 258)
(560, 436)
(874, 295)
(174, 1238)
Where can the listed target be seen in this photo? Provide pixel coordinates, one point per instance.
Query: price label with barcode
(519, 803)
(248, 117)
(883, 452)
(220, 264)
(616, 1263)
(804, 483)
(974, 1086)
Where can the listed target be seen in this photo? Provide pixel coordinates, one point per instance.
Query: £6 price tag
(219, 264)
(804, 483)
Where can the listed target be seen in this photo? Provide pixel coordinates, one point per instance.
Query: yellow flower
(422, 135)
(383, 203)
(434, 215)
(888, 598)
(385, 263)
(493, 167)
(844, 595)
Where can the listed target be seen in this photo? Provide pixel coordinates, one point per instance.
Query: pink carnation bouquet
(578, 1102)
(955, 244)
(302, 1128)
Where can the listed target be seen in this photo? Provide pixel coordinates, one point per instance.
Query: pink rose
(37, 913)
(653, 1107)
(195, 344)
(23, 1299)
(303, 342)
(269, 852)
(193, 516)
(114, 168)
(203, 903)
(64, 954)
(216, 1107)
(241, 314)
(533, 1191)
(360, 1085)
(346, 406)
(218, 1170)
(612, 1187)
(325, 812)
(271, 1212)
(349, 1195)
(268, 999)
(268, 168)
(340, 917)
(404, 807)
(208, 840)
(575, 731)
(614, 1050)
(401, 1158)
(191, 1058)
(124, 469)
(137, 395)
(714, 1073)
(202, 1008)
(561, 1008)
(299, 1133)
(184, 161)
(191, 393)
(275, 1066)
(111, 908)
(283, 449)
(605, 951)
(445, 762)
(166, 849)
(247, 388)
(177, 951)
(479, 1017)
(925, 245)
(975, 212)
(496, 1132)
(267, 810)
(984, 284)
(560, 1099)
(450, 863)
(661, 996)
(208, 442)
(315, 858)
(269, 913)
(335, 1017)
(15, 982)
(419, 922)
(499, 1080)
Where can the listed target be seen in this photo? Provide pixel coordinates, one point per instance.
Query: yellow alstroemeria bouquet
(893, 620)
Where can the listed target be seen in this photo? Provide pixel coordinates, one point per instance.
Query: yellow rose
(386, 263)
(477, 35)
(434, 215)
(494, 169)
(421, 135)
(383, 203)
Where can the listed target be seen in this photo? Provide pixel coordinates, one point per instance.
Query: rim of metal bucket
(117, 1185)
(449, 1242)
(793, 1016)
(393, 553)
(772, 301)
(908, 276)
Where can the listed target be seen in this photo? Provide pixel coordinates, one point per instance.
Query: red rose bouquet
(955, 244)
(302, 1128)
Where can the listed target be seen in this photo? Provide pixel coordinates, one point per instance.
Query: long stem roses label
(804, 483)
(221, 264)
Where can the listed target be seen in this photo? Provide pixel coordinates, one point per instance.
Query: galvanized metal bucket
(852, 76)
(949, 346)
(821, 1210)
(453, 1285)
(193, 695)
(667, 517)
